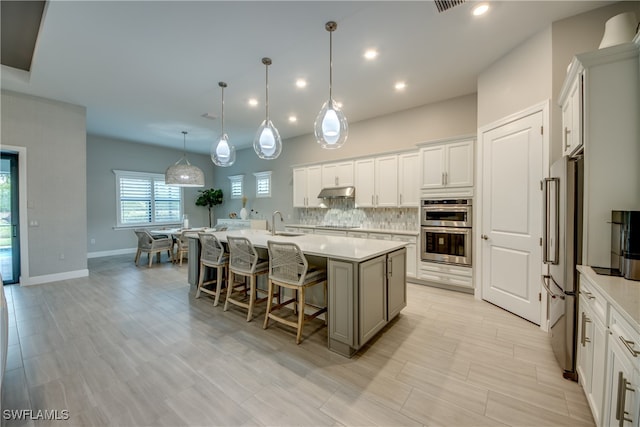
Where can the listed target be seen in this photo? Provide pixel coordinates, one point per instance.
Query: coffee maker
(625, 243)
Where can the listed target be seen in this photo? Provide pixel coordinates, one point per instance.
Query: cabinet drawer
(623, 332)
(446, 269)
(594, 299)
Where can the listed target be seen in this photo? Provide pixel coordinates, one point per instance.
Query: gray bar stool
(212, 255)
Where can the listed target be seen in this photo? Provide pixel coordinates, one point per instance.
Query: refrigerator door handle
(545, 284)
(548, 216)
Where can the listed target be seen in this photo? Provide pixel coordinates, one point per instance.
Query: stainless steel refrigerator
(562, 250)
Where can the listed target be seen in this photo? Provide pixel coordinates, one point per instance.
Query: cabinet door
(372, 284)
(365, 182)
(598, 342)
(572, 118)
(622, 387)
(459, 164)
(412, 254)
(344, 174)
(432, 166)
(341, 301)
(386, 181)
(329, 178)
(584, 362)
(408, 180)
(300, 187)
(396, 283)
(314, 185)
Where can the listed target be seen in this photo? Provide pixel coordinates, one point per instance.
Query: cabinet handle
(582, 327)
(623, 387)
(400, 198)
(337, 180)
(372, 201)
(588, 294)
(390, 268)
(446, 178)
(567, 131)
(442, 178)
(630, 344)
(377, 200)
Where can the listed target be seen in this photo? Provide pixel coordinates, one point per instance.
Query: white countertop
(623, 294)
(338, 247)
(358, 229)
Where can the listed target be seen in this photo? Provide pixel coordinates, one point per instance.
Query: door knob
(484, 237)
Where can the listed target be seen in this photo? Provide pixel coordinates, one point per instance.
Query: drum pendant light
(184, 175)
(267, 143)
(222, 152)
(331, 127)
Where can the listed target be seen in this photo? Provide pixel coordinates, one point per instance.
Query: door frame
(22, 206)
(543, 107)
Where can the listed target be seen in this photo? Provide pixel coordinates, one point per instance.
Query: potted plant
(209, 198)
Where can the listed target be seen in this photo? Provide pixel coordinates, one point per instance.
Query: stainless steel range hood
(338, 193)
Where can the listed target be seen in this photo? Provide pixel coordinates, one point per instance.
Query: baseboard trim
(101, 254)
(47, 278)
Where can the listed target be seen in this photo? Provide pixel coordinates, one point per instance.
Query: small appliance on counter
(625, 246)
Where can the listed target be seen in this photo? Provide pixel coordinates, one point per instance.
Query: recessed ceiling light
(293, 119)
(253, 102)
(400, 85)
(480, 9)
(371, 54)
(301, 83)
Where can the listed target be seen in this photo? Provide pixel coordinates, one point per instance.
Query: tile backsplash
(344, 213)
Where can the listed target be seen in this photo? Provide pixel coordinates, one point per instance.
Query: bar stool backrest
(212, 250)
(243, 257)
(287, 263)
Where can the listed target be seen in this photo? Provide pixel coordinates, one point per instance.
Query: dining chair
(289, 268)
(244, 262)
(212, 255)
(152, 245)
(182, 246)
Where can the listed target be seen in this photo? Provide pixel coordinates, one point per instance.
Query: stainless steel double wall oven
(445, 233)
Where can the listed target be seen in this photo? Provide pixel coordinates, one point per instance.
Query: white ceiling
(147, 70)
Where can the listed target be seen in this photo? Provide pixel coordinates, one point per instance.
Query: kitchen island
(366, 281)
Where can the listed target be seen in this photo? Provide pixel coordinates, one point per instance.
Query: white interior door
(512, 215)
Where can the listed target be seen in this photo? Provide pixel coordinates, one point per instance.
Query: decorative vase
(243, 213)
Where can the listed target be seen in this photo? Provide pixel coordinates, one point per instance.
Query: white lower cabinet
(608, 359)
(324, 232)
(449, 275)
(412, 253)
(622, 391)
(592, 351)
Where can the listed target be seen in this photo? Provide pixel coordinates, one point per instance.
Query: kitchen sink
(288, 234)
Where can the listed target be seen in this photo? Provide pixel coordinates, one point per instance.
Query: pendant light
(267, 142)
(184, 175)
(331, 127)
(222, 152)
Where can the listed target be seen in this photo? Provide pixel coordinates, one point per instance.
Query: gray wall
(394, 132)
(103, 156)
(54, 135)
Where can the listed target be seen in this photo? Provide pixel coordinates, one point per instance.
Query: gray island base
(366, 281)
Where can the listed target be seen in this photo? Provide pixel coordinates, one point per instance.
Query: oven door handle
(448, 230)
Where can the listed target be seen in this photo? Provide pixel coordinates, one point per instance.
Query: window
(144, 199)
(237, 190)
(263, 184)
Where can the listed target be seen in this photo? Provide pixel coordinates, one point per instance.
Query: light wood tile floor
(130, 346)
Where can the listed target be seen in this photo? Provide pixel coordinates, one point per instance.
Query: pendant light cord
(222, 114)
(266, 62)
(330, 64)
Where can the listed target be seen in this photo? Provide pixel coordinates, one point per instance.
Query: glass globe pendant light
(267, 143)
(331, 127)
(222, 152)
(184, 175)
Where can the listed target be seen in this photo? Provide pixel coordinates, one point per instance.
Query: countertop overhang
(337, 247)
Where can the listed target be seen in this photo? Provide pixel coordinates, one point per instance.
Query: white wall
(54, 136)
(516, 81)
(106, 154)
(398, 131)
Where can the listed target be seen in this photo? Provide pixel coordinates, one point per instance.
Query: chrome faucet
(273, 221)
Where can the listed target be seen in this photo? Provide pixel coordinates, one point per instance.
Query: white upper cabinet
(571, 102)
(376, 181)
(337, 174)
(409, 180)
(447, 164)
(307, 183)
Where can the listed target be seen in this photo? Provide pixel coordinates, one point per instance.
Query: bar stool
(212, 255)
(244, 261)
(288, 268)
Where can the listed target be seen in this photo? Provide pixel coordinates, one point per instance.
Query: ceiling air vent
(443, 5)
